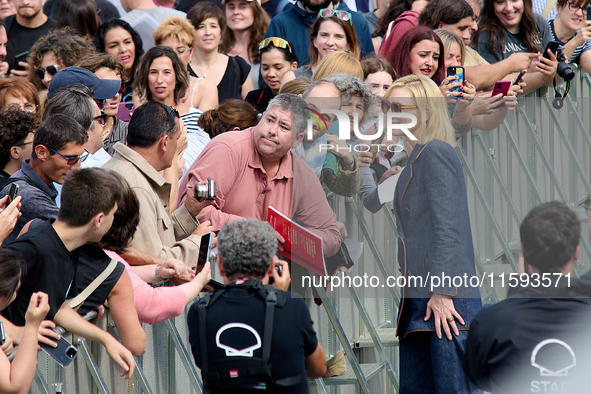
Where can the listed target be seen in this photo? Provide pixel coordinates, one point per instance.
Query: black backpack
(235, 373)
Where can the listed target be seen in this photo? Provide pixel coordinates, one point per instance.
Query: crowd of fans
(152, 101)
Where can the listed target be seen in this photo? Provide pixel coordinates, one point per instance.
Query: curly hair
(140, 83)
(247, 248)
(260, 24)
(66, 45)
(176, 27)
(230, 114)
(15, 126)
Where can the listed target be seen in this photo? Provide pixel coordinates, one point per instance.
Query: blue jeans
(432, 365)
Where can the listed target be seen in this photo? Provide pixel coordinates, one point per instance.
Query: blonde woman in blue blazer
(435, 241)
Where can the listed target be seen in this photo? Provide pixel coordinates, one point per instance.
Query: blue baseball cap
(103, 88)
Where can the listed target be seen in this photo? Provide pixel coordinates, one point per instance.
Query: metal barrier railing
(537, 154)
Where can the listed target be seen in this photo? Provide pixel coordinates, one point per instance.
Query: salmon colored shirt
(244, 190)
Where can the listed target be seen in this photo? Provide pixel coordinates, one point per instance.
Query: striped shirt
(576, 56)
(196, 137)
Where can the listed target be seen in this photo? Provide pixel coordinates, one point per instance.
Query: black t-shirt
(294, 337)
(48, 267)
(21, 39)
(93, 261)
(231, 84)
(260, 98)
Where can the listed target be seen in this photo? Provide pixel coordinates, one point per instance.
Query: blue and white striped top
(196, 137)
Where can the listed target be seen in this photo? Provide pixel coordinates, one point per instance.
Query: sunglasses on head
(102, 118)
(52, 70)
(395, 107)
(342, 15)
(277, 43)
(71, 160)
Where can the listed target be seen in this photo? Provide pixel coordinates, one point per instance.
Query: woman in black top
(277, 58)
(231, 74)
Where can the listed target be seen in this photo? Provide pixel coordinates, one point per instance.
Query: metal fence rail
(538, 154)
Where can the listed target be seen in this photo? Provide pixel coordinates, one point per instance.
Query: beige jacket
(159, 233)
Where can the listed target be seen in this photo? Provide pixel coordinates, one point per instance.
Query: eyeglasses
(342, 15)
(395, 107)
(71, 160)
(575, 8)
(52, 70)
(29, 107)
(122, 88)
(102, 118)
(277, 43)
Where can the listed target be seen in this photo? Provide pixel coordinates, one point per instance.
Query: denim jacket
(434, 235)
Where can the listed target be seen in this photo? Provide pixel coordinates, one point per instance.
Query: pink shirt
(244, 190)
(153, 304)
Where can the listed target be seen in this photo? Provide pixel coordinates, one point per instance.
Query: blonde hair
(338, 62)
(295, 86)
(449, 39)
(429, 99)
(176, 27)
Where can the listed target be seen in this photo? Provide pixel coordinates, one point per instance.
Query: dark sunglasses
(277, 43)
(52, 70)
(71, 160)
(102, 118)
(395, 107)
(342, 15)
(122, 88)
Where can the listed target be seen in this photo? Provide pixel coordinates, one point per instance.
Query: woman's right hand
(444, 313)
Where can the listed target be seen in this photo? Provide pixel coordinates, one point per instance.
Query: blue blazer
(434, 236)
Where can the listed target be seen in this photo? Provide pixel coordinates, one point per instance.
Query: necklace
(108, 127)
(211, 66)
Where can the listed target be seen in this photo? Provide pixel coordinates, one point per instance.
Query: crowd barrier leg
(184, 355)
(91, 365)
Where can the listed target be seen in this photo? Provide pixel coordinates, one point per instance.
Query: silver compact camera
(207, 191)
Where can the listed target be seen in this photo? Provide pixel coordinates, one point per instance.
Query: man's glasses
(575, 8)
(100, 103)
(102, 118)
(395, 107)
(342, 15)
(52, 70)
(277, 43)
(71, 160)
